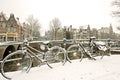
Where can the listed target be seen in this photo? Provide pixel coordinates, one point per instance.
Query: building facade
(9, 28)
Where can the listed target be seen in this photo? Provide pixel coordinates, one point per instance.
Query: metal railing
(64, 41)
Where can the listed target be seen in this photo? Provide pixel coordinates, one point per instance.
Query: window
(1, 19)
(4, 25)
(8, 29)
(14, 29)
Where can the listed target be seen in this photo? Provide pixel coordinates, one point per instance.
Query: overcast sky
(97, 13)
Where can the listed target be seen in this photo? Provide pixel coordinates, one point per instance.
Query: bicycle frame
(33, 54)
(84, 51)
(79, 49)
(25, 52)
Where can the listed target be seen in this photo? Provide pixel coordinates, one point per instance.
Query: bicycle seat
(45, 42)
(93, 37)
(101, 43)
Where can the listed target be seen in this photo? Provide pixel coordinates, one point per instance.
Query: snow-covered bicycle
(99, 48)
(22, 60)
(78, 50)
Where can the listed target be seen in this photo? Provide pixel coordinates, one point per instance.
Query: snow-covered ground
(106, 69)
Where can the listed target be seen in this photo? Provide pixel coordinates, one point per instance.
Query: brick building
(9, 28)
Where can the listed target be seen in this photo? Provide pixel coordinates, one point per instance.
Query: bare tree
(116, 4)
(116, 11)
(55, 25)
(34, 26)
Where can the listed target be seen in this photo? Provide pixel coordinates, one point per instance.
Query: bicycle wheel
(105, 51)
(74, 52)
(55, 54)
(15, 63)
(98, 51)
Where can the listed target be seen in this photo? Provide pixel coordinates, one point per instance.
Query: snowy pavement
(106, 69)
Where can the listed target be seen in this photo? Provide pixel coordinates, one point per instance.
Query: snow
(107, 68)
(100, 43)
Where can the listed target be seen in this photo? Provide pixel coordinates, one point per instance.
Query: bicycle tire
(55, 54)
(75, 52)
(106, 52)
(97, 52)
(15, 63)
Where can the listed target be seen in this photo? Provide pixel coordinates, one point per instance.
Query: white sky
(70, 12)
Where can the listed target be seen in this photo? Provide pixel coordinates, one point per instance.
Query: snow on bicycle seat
(101, 43)
(45, 42)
